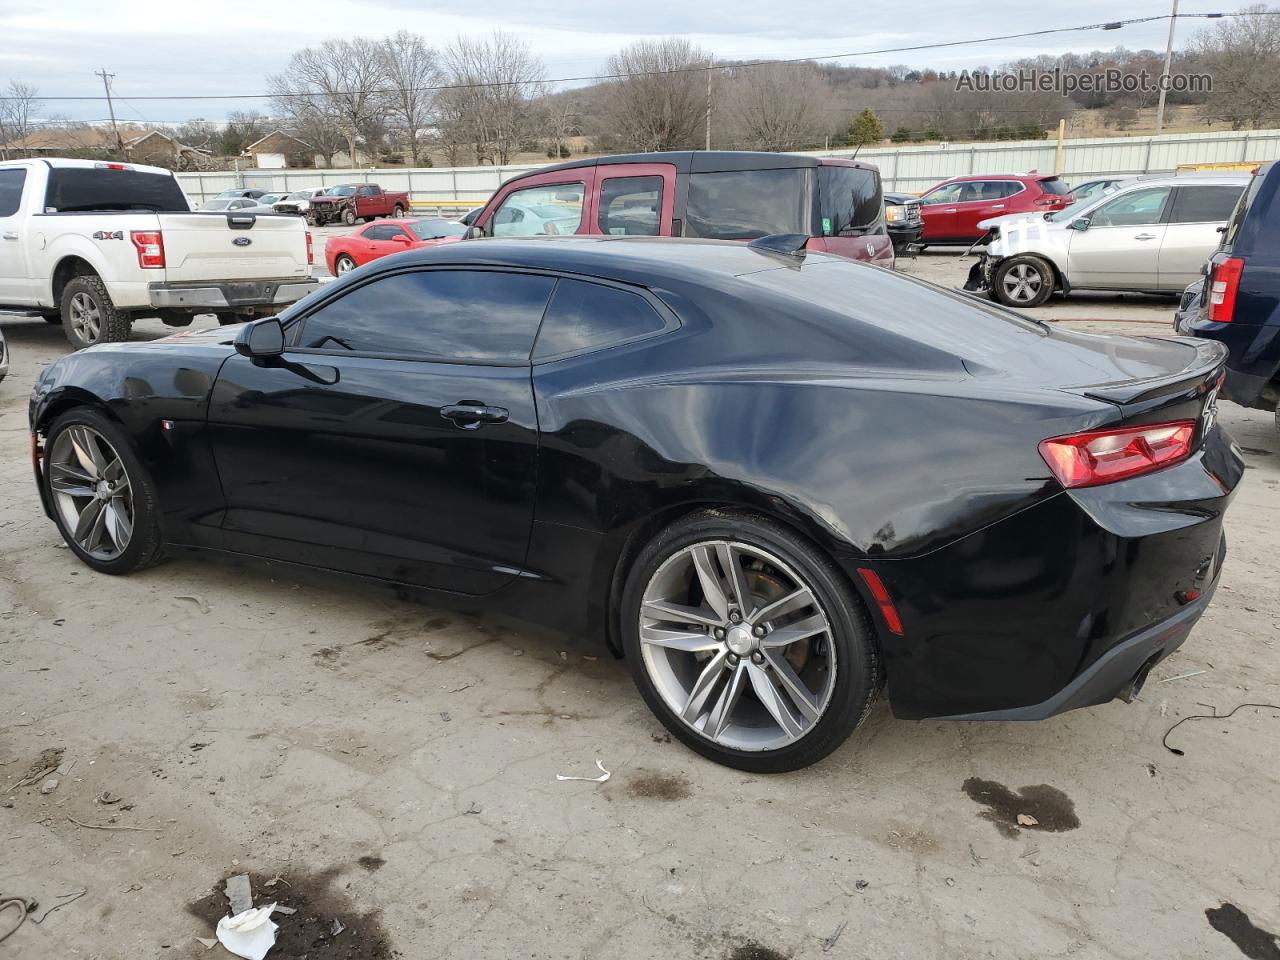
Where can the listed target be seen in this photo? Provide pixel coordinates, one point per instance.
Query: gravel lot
(371, 760)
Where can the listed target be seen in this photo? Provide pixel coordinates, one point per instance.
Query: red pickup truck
(350, 202)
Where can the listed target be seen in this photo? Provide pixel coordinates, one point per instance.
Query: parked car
(681, 448)
(1241, 308)
(92, 245)
(245, 204)
(244, 192)
(1094, 188)
(368, 243)
(4, 357)
(903, 220)
(953, 209)
(350, 202)
(720, 195)
(270, 199)
(471, 215)
(298, 202)
(1153, 234)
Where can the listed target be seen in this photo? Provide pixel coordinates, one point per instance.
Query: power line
(1106, 25)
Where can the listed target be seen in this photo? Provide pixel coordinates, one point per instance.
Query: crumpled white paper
(600, 779)
(250, 934)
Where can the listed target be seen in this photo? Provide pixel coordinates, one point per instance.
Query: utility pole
(106, 85)
(708, 104)
(1168, 60)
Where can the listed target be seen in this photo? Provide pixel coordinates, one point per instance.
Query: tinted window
(1242, 207)
(1055, 186)
(100, 188)
(1131, 209)
(631, 206)
(1204, 204)
(586, 316)
(849, 199)
(11, 190)
(382, 231)
(950, 193)
(451, 315)
(746, 204)
(540, 211)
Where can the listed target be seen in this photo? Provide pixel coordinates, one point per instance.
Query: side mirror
(1080, 223)
(261, 339)
(401, 238)
(474, 231)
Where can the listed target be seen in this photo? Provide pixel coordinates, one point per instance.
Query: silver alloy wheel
(1022, 283)
(86, 318)
(345, 265)
(737, 645)
(92, 492)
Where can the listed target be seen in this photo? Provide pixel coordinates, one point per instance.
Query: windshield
(78, 189)
(435, 229)
(342, 192)
(299, 195)
(849, 199)
(1077, 209)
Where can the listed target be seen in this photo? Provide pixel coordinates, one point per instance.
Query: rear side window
(587, 316)
(457, 316)
(850, 200)
(11, 182)
(79, 189)
(555, 209)
(631, 206)
(745, 204)
(1055, 186)
(1204, 204)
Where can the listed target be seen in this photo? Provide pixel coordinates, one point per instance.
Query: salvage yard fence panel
(909, 169)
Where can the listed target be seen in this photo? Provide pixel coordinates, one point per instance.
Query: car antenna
(788, 244)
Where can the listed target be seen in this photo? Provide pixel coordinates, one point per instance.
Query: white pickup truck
(92, 245)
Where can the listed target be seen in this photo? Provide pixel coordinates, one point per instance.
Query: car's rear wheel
(1023, 281)
(89, 316)
(398, 212)
(343, 264)
(747, 643)
(103, 499)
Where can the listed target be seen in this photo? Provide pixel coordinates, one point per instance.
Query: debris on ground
(239, 893)
(209, 943)
(471, 810)
(200, 602)
(336, 927)
(106, 797)
(249, 934)
(63, 900)
(605, 775)
(49, 785)
(1210, 716)
(44, 765)
(829, 942)
(1026, 820)
(1183, 676)
(862, 884)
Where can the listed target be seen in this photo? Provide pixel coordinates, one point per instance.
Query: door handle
(949, 210)
(470, 414)
(10, 235)
(998, 206)
(1144, 236)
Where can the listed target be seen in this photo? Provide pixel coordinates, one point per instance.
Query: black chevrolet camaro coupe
(772, 482)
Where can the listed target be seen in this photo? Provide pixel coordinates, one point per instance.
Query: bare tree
(1243, 54)
(16, 113)
(778, 107)
(562, 120)
(343, 80)
(659, 101)
(491, 85)
(411, 69)
(242, 129)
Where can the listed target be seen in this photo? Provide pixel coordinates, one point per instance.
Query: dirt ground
(392, 767)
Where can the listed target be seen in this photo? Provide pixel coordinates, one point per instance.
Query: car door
(367, 201)
(980, 200)
(1120, 249)
(1197, 214)
(938, 209)
(381, 241)
(633, 200)
(17, 286)
(396, 436)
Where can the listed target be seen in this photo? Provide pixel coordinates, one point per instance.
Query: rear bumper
(4, 357)
(1253, 357)
(228, 295)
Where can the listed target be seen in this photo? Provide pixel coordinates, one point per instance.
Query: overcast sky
(230, 46)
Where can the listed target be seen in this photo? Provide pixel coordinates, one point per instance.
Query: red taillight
(1224, 284)
(882, 599)
(1105, 456)
(311, 253)
(150, 247)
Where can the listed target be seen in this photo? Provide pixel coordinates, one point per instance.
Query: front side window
(456, 316)
(11, 182)
(850, 200)
(1140, 208)
(587, 316)
(631, 206)
(1204, 204)
(745, 204)
(551, 210)
(947, 193)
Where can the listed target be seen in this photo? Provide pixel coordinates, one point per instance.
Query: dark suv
(715, 194)
(1240, 302)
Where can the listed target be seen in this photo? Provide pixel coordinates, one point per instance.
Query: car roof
(708, 161)
(1020, 177)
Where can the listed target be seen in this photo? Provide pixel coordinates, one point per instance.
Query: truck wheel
(1022, 281)
(89, 316)
(398, 212)
(349, 217)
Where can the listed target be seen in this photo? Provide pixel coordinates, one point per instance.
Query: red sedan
(953, 208)
(381, 239)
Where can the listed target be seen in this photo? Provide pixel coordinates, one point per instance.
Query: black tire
(338, 264)
(398, 212)
(146, 545)
(114, 326)
(349, 217)
(51, 316)
(858, 663)
(227, 319)
(1032, 278)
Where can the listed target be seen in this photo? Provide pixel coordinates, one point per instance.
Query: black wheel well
(67, 402)
(68, 269)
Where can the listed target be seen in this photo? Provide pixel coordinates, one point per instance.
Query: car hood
(1012, 218)
(1028, 233)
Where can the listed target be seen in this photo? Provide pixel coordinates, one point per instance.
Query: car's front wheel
(1023, 281)
(103, 499)
(349, 217)
(747, 643)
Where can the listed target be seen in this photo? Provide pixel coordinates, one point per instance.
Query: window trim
(669, 320)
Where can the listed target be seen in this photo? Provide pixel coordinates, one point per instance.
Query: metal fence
(908, 168)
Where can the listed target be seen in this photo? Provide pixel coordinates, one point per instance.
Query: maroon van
(722, 195)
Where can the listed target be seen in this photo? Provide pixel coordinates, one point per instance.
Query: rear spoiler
(1209, 359)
